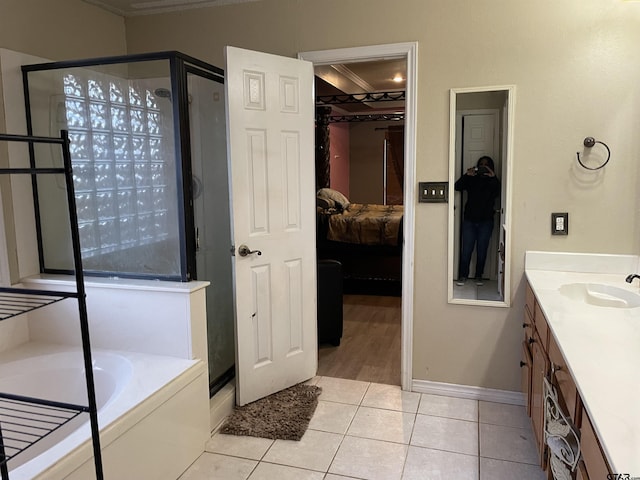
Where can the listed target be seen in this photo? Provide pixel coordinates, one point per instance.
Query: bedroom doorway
(378, 327)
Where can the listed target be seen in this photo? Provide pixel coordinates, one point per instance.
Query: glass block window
(122, 174)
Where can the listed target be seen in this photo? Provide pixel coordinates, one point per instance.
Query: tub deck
(154, 386)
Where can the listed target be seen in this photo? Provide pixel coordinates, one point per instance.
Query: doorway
(408, 52)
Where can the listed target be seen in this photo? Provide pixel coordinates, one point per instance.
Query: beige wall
(576, 69)
(60, 29)
(47, 30)
(575, 66)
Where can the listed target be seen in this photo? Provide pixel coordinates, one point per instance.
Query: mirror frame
(507, 160)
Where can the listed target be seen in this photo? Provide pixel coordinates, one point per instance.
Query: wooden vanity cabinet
(526, 361)
(539, 370)
(581, 471)
(594, 461)
(542, 357)
(562, 379)
(535, 367)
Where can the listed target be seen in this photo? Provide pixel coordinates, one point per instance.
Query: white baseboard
(465, 391)
(221, 405)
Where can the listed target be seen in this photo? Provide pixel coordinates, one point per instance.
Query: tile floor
(371, 431)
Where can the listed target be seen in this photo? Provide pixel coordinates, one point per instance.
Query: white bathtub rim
(50, 363)
(170, 375)
(109, 434)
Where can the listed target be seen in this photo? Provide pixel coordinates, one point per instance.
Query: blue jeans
(474, 234)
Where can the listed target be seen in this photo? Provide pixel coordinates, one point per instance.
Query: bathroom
(575, 70)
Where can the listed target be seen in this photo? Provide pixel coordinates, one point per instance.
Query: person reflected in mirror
(482, 187)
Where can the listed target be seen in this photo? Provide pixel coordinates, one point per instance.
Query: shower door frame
(179, 65)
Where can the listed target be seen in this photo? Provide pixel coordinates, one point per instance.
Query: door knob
(243, 251)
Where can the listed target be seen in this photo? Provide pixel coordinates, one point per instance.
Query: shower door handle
(243, 251)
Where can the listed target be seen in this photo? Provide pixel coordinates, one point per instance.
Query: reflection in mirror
(479, 194)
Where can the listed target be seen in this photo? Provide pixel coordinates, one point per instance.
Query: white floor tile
(314, 452)
(502, 414)
(212, 465)
(508, 443)
(331, 476)
(428, 464)
(238, 445)
(452, 435)
(341, 390)
(360, 432)
(450, 407)
(332, 417)
(491, 469)
(270, 471)
(369, 459)
(391, 397)
(379, 424)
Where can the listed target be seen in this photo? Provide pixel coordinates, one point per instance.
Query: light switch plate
(433, 192)
(560, 223)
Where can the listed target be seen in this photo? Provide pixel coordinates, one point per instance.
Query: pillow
(341, 202)
(325, 203)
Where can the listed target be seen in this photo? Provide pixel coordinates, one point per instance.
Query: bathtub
(153, 412)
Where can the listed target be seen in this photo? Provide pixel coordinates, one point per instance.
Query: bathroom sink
(601, 295)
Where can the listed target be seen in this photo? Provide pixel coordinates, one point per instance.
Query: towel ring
(590, 142)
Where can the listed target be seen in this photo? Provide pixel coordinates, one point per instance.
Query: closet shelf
(25, 421)
(16, 301)
(28, 420)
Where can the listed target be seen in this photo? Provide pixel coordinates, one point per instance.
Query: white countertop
(601, 345)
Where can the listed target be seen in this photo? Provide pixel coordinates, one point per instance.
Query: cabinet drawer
(527, 326)
(530, 300)
(595, 463)
(541, 326)
(563, 379)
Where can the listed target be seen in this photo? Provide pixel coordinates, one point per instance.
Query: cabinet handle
(555, 368)
(531, 340)
(525, 325)
(522, 364)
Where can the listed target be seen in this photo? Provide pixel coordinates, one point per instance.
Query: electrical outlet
(433, 192)
(560, 223)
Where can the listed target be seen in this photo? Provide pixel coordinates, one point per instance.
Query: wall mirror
(481, 126)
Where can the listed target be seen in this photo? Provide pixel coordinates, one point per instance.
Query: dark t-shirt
(482, 192)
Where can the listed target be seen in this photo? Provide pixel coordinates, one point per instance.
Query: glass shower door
(213, 221)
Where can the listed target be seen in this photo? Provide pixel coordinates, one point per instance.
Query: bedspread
(367, 224)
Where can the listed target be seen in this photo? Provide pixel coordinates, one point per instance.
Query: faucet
(630, 277)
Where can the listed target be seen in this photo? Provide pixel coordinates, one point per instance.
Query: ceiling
(132, 8)
(363, 77)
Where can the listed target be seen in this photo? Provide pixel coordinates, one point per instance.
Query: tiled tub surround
(601, 345)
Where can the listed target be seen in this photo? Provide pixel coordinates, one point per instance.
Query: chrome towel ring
(590, 142)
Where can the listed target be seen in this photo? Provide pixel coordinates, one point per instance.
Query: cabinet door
(541, 326)
(592, 455)
(568, 393)
(530, 300)
(540, 370)
(525, 375)
(581, 471)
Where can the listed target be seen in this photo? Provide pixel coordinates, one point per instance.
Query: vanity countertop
(601, 345)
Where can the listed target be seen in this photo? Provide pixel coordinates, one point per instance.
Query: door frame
(409, 51)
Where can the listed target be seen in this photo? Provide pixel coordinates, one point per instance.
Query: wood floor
(371, 341)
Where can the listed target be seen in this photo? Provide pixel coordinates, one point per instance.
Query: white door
(271, 154)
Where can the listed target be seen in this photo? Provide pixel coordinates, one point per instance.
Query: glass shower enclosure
(148, 149)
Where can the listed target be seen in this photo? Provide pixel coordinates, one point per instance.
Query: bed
(366, 239)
